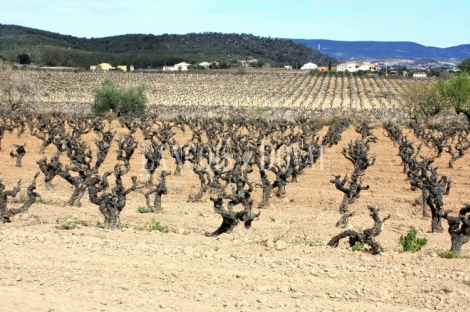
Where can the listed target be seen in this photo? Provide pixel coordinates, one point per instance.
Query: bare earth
(45, 268)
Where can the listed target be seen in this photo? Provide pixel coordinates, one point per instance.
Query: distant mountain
(346, 50)
(147, 50)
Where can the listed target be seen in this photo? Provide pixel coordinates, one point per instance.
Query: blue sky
(429, 22)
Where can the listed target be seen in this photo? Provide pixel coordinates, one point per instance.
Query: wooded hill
(153, 51)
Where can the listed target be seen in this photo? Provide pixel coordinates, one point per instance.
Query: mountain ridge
(347, 50)
(148, 50)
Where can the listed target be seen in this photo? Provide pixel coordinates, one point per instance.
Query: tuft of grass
(201, 214)
(70, 225)
(143, 209)
(334, 120)
(451, 255)
(153, 225)
(41, 200)
(411, 243)
(22, 198)
(357, 246)
(305, 240)
(273, 220)
(467, 283)
(259, 111)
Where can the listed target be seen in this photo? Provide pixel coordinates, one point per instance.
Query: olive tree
(424, 99)
(456, 93)
(120, 100)
(15, 90)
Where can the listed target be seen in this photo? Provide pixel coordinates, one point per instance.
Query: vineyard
(235, 193)
(274, 88)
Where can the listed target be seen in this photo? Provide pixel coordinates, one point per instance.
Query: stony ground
(281, 263)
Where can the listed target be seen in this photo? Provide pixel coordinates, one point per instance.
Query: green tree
(465, 65)
(120, 100)
(456, 93)
(424, 99)
(223, 65)
(24, 59)
(52, 56)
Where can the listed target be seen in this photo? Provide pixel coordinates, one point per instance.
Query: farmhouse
(182, 66)
(368, 67)
(309, 66)
(420, 75)
(246, 63)
(102, 66)
(288, 67)
(355, 67)
(351, 67)
(122, 67)
(205, 64)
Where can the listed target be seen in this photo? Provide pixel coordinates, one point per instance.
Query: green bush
(120, 100)
(451, 255)
(411, 243)
(143, 209)
(314, 71)
(357, 246)
(152, 225)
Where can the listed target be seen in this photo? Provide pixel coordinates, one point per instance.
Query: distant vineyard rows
(262, 89)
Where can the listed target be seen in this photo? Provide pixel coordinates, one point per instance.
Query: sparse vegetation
(142, 209)
(72, 224)
(357, 246)
(152, 225)
(411, 243)
(451, 255)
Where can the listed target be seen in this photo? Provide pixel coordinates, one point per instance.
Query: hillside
(345, 50)
(150, 50)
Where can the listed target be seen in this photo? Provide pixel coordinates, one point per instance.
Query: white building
(309, 66)
(205, 64)
(169, 68)
(420, 75)
(182, 66)
(353, 67)
(368, 67)
(350, 67)
(288, 67)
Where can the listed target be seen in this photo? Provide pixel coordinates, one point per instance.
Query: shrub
(70, 225)
(358, 246)
(152, 225)
(41, 200)
(24, 59)
(52, 56)
(411, 243)
(314, 71)
(143, 209)
(450, 255)
(120, 100)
